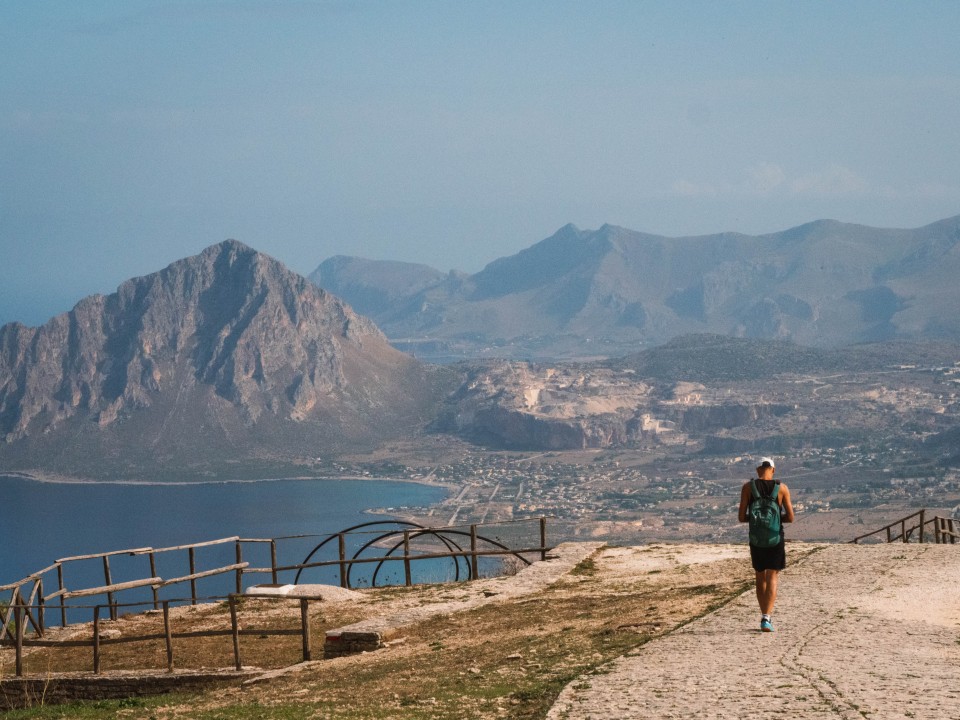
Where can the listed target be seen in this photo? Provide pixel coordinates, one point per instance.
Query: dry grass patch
(264, 651)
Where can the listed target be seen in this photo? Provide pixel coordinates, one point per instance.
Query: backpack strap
(755, 491)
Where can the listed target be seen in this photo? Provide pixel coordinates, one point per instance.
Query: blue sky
(134, 133)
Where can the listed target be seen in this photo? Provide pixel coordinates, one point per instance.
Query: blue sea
(41, 522)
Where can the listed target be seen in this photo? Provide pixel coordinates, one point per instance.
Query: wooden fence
(29, 592)
(23, 617)
(97, 640)
(944, 530)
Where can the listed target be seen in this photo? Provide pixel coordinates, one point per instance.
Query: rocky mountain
(611, 291)
(222, 357)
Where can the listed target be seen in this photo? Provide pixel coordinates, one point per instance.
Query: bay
(43, 521)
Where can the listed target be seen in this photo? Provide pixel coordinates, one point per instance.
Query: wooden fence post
(109, 581)
(18, 626)
(936, 530)
(63, 600)
(922, 512)
(273, 562)
(305, 628)
(235, 627)
(239, 570)
(474, 560)
(96, 640)
(342, 546)
(407, 579)
(903, 530)
(889, 535)
(191, 552)
(41, 607)
(168, 636)
(153, 573)
(543, 538)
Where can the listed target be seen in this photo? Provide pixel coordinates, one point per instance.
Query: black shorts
(768, 558)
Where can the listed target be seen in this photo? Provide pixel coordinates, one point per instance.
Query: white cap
(766, 461)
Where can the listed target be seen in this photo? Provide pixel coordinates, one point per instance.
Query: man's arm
(744, 503)
(787, 515)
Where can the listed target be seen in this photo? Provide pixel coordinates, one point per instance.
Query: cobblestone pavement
(862, 632)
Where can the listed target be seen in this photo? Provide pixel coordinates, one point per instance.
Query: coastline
(273, 510)
(375, 511)
(57, 479)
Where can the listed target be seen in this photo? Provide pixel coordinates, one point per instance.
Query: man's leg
(767, 590)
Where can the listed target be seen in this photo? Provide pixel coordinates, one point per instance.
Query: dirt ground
(506, 658)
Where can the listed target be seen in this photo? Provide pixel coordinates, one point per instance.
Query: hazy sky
(134, 133)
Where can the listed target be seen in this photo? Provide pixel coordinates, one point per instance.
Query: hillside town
(624, 495)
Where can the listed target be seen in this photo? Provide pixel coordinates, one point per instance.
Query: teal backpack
(766, 529)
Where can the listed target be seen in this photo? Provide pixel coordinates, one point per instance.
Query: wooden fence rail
(31, 588)
(97, 640)
(944, 529)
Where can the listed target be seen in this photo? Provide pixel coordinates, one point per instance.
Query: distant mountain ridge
(613, 290)
(374, 286)
(226, 354)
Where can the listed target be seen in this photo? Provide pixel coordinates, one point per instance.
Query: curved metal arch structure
(444, 535)
(424, 531)
(351, 529)
(456, 558)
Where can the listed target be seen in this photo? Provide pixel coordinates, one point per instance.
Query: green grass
(585, 567)
(92, 709)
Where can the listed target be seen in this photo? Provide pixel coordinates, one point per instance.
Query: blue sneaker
(766, 625)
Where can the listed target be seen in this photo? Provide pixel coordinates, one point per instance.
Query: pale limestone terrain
(862, 632)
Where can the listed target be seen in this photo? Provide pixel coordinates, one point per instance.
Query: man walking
(765, 504)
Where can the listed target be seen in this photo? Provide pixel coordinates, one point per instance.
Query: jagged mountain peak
(567, 230)
(229, 331)
(236, 258)
(230, 246)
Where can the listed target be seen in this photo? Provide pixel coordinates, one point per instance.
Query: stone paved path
(862, 632)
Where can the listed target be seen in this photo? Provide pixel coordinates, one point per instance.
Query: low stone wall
(343, 642)
(61, 688)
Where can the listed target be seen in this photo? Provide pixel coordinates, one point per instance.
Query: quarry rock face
(728, 395)
(228, 345)
(562, 407)
(523, 405)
